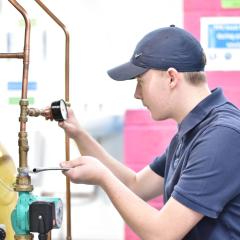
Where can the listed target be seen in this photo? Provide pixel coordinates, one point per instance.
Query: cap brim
(126, 71)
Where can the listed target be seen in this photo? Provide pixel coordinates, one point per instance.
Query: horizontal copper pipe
(11, 55)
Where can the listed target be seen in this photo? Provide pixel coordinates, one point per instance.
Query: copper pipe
(26, 49)
(23, 143)
(11, 55)
(49, 235)
(66, 47)
(68, 194)
(23, 181)
(67, 43)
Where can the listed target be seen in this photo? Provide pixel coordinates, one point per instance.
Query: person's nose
(137, 93)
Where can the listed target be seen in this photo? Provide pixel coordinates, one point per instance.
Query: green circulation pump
(36, 214)
(20, 215)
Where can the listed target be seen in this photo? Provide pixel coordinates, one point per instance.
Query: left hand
(86, 169)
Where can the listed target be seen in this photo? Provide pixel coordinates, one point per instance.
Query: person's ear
(173, 77)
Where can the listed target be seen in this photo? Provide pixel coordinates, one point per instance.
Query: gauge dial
(59, 110)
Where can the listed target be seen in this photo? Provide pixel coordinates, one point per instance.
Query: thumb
(61, 124)
(70, 112)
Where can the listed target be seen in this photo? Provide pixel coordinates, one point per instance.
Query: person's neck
(190, 99)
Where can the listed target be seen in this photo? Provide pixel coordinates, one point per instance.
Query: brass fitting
(68, 104)
(23, 181)
(24, 110)
(34, 112)
(23, 148)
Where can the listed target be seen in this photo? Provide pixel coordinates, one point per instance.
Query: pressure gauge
(59, 110)
(58, 213)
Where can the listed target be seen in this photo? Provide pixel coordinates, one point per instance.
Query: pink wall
(144, 139)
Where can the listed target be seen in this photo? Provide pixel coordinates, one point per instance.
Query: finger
(61, 124)
(70, 112)
(71, 164)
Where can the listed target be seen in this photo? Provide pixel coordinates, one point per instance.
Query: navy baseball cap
(161, 49)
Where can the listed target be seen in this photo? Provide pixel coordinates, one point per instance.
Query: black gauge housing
(59, 110)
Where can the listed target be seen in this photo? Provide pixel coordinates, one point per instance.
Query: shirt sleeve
(158, 165)
(211, 177)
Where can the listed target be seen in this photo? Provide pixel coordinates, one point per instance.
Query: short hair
(195, 78)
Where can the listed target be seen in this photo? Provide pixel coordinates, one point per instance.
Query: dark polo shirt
(201, 168)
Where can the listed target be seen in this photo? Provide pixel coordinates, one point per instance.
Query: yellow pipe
(8, 197)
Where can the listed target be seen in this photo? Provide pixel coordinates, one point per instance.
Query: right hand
(86, 170)
(71, 125)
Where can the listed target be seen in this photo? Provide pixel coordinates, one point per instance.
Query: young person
(199, 172)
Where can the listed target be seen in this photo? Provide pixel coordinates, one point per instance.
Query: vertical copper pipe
(23, 182)
(26, 50)
(22, 142)
(68, 189)
(26, 46)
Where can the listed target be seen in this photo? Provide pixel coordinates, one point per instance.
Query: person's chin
(146, 107)
(157, 117)
(152, 115)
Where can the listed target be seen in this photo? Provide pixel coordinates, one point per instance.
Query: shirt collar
(215, 99)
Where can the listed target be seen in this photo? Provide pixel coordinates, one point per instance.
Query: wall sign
(220, 38)
(230, 3)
